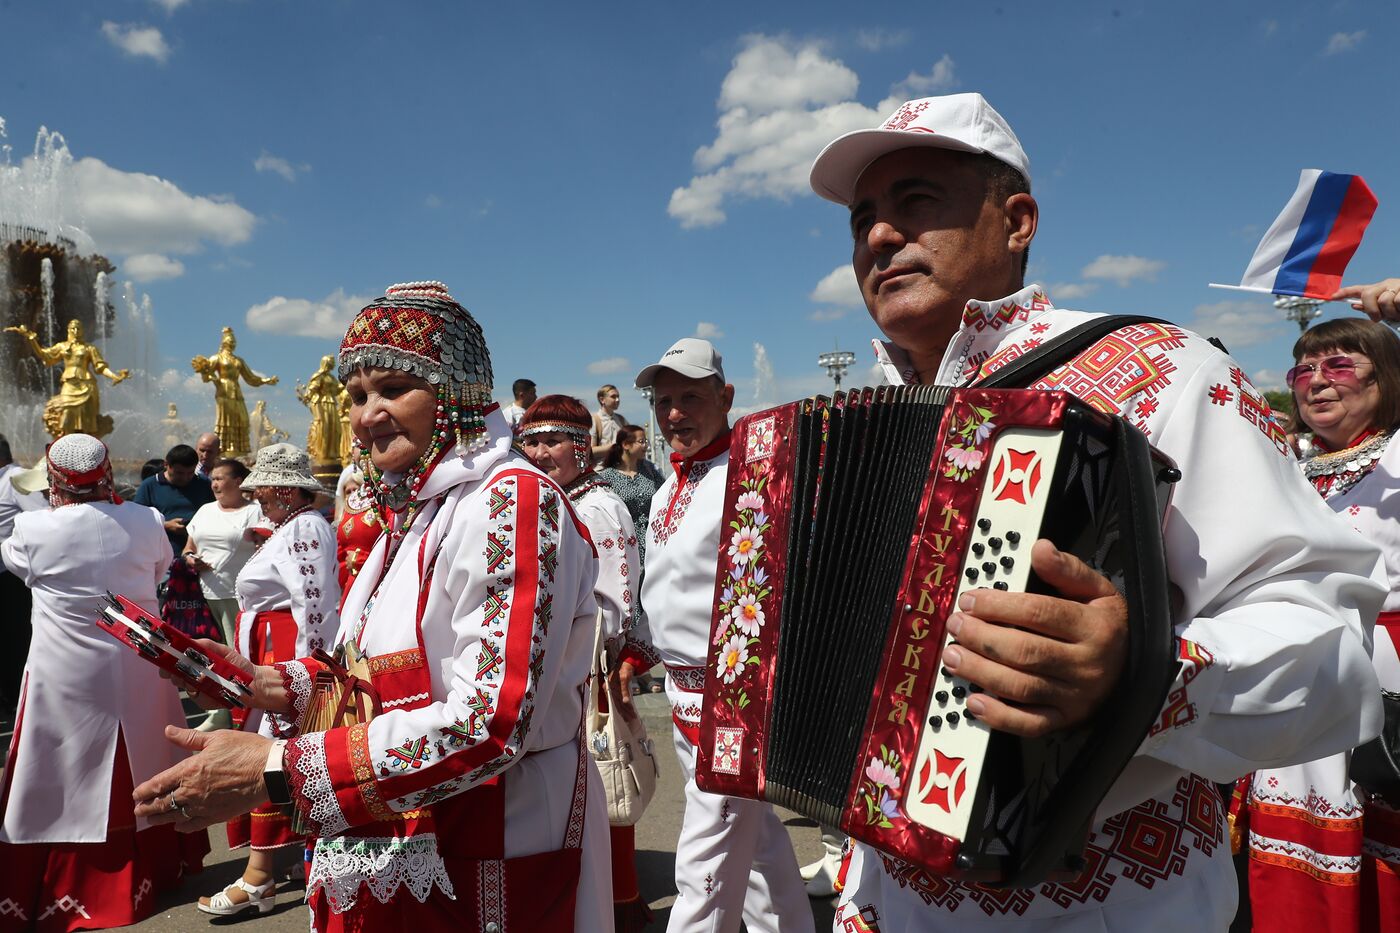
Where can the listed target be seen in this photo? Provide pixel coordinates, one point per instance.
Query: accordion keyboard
(953, 744)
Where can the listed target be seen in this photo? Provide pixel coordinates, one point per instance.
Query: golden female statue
(346, 437)
(265, 433)
(321, 394)
(224, 369)
(74, 409)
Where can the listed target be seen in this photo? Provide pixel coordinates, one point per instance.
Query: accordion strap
(1050, 356)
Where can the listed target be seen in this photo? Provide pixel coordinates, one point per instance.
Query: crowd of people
(477, 555)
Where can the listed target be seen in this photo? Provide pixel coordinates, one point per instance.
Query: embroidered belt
(689, 679)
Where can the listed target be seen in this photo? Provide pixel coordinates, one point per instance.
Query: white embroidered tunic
(294, 570)
(505, 575)
(605, 516)
(81, 684)
(1273, 616)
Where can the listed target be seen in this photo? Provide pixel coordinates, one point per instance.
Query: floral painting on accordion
(744, 590)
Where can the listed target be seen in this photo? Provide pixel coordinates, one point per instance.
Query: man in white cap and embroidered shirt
(733, 857)
(1272, 618)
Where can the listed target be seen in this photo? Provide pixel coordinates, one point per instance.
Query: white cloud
(873, 40)
(1343, 42)
(148, 267)
(707, 331)
(939, 79)
(1069, 291)
(1270, 27)
(136, 40)
(613, 364)
(187, 381)
(267, 162)
(300, 317)
(131, 212)
(1268, 380)
(170, 6)
(1123, 269)
(1238, 323)
(432, 202)
(839, 287)
(828, 314)
(782, 101)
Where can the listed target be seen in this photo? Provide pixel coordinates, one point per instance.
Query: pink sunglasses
(1333, 369)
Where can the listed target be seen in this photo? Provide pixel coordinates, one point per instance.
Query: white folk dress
(605, 516)
(81, 684)
(479, 638)
(1276, 598)
(1322, 856)
(733, 858)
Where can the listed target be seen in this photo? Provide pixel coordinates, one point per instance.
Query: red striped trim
(1341, 838)
(1358, 204)
(519, 634)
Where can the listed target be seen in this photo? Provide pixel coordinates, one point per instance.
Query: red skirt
(273, 639)
(55, 887)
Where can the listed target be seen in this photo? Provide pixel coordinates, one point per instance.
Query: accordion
(850, 527)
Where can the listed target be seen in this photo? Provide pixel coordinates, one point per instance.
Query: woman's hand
(269, 693)
(222, 780)
(195, 562)
(1380, 301)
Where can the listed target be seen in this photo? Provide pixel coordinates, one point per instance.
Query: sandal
(222, 905)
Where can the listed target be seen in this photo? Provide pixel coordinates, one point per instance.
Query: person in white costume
(734, 859)
(554, 434)
(467, 802)
(1275, 597)
(1324, 855)
(91, 712)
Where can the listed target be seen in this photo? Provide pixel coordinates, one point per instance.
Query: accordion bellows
(849, 529)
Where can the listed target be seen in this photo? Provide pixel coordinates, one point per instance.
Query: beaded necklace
(1332, 473)
(291, 515)
(583, 484)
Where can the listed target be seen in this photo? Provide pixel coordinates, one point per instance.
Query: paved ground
(656, 842)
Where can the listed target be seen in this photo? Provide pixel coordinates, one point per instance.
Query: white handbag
(619, 745)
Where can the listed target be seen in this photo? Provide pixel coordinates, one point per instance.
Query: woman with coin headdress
(72, 856)
(466, 802)
(1324, 854)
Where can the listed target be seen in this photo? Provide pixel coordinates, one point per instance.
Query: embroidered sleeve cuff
(1182, 706)
(309, 778)
(296, 680)
(640, 655)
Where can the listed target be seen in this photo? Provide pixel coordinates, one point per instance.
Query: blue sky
(596, 180)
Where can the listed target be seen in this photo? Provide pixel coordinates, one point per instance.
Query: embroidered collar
(583, 484)
(710, 451)
(1333, 473)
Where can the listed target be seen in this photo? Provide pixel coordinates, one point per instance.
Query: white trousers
(734, 860)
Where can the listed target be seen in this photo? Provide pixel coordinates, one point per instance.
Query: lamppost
(836, 363)
(653, 442)
(1302, 311)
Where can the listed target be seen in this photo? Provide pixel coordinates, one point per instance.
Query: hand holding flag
(1380, 301)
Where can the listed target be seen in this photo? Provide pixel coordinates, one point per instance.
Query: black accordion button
(959, 692)
(989, 568)
(952, 719)
(1014, 537)
(1000, 585)
(941, 696)
(1007, 562)
(985, 524)
(995, 543)
(972, 573)
(935, 721)
(977, 550)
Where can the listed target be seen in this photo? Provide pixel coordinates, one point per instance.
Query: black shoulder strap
(1026, 369)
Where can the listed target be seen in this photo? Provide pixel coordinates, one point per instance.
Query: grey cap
(692, 357)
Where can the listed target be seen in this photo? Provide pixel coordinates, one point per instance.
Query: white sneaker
(821, 874)
(218, 719)
(260, 899)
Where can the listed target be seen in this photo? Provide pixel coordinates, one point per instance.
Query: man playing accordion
(1272, 619)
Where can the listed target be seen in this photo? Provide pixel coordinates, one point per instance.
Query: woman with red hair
(554, 434)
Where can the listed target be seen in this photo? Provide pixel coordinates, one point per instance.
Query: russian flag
(1307, 248)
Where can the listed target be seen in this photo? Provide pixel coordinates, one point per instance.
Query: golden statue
(321, 394)
(75, 408)
(346, 437)
(265, 433)
(224, 369)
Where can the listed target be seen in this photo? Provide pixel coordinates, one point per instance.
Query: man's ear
(1022, 218)
(726, 397)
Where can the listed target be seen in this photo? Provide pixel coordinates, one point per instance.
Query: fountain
(51, 273)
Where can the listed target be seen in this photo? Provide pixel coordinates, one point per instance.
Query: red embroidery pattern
(906, 115)
(661, 529)
(1254, 408)
(1122, 371)
(1145, 845)
(980, 316)
(1179, 710)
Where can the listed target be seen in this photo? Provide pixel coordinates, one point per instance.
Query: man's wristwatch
(274, 778)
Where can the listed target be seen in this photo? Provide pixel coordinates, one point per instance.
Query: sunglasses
(1333, 369)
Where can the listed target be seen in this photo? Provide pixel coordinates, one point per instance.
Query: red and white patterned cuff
(296, 680)
(309, 777)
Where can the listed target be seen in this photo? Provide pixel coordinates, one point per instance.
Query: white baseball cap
(692, 357)
(964, 122)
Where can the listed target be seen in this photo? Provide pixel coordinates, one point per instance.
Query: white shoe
(218, 719)
(260, 899)
(821, 874)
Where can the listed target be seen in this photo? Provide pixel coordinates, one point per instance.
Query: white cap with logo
(963, 122)
(692, 357)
